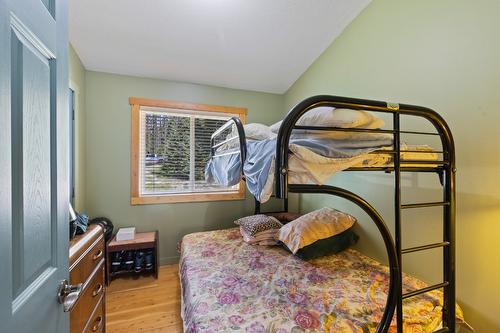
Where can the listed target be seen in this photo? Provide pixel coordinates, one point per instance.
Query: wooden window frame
(135, 197)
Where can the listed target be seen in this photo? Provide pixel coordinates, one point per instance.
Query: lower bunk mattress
(230, 286)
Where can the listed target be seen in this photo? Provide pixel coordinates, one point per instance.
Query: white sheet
(307, 167)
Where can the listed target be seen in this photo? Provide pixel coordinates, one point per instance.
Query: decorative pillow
(319, 224)
(257, 223)
(331, 245)
(331, 117)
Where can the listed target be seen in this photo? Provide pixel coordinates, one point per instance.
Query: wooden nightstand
(142, 241)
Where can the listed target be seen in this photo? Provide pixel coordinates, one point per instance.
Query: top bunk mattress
(231, 286)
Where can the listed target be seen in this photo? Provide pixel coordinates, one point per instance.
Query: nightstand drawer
(92, 294)
(81, 269)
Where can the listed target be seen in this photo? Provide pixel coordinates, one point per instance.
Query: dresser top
(80, 243)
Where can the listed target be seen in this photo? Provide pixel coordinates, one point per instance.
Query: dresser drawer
(91, 295)
(96, 322)
(81, 269)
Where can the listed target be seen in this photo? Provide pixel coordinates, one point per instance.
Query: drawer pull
(97, 324)
(97, 255)
(97, 290)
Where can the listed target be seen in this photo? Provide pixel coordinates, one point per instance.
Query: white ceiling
(262, 45)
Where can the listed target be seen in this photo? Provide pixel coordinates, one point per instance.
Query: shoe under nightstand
(135, 257)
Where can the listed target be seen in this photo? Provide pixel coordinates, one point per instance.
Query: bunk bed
(224, 253)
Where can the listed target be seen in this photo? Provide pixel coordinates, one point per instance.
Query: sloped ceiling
(261, 45)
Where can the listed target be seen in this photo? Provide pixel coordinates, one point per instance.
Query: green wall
(77, 83)
(108, 155)
(444, 55)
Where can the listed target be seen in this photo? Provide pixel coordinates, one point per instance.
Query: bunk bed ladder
(446, 176)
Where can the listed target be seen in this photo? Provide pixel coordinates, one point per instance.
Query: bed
(341, 133)
(231, 286)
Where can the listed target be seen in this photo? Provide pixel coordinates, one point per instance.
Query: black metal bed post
(449, 252)
(256, 206)
(397, 214)
(449, 212)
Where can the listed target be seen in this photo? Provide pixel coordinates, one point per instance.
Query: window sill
(189, 197)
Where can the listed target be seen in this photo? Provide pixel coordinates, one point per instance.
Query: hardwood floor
(145, 304)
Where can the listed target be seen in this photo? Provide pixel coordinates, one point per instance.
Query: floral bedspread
(230, 286)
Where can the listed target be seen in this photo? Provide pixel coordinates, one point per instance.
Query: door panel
(32, 233)
(33, 164)
(36, 226)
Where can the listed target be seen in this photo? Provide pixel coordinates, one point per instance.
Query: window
(170, 148)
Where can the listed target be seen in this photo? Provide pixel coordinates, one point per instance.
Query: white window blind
(174, 150)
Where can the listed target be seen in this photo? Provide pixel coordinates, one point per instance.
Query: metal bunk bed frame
(445, 168)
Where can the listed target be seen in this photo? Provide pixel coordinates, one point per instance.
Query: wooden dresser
(86, 266)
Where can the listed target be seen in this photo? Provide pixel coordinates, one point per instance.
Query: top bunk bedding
(323, 141)
(231, 286)
(312, 160)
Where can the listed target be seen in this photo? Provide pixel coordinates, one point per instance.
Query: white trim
(25, 33)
